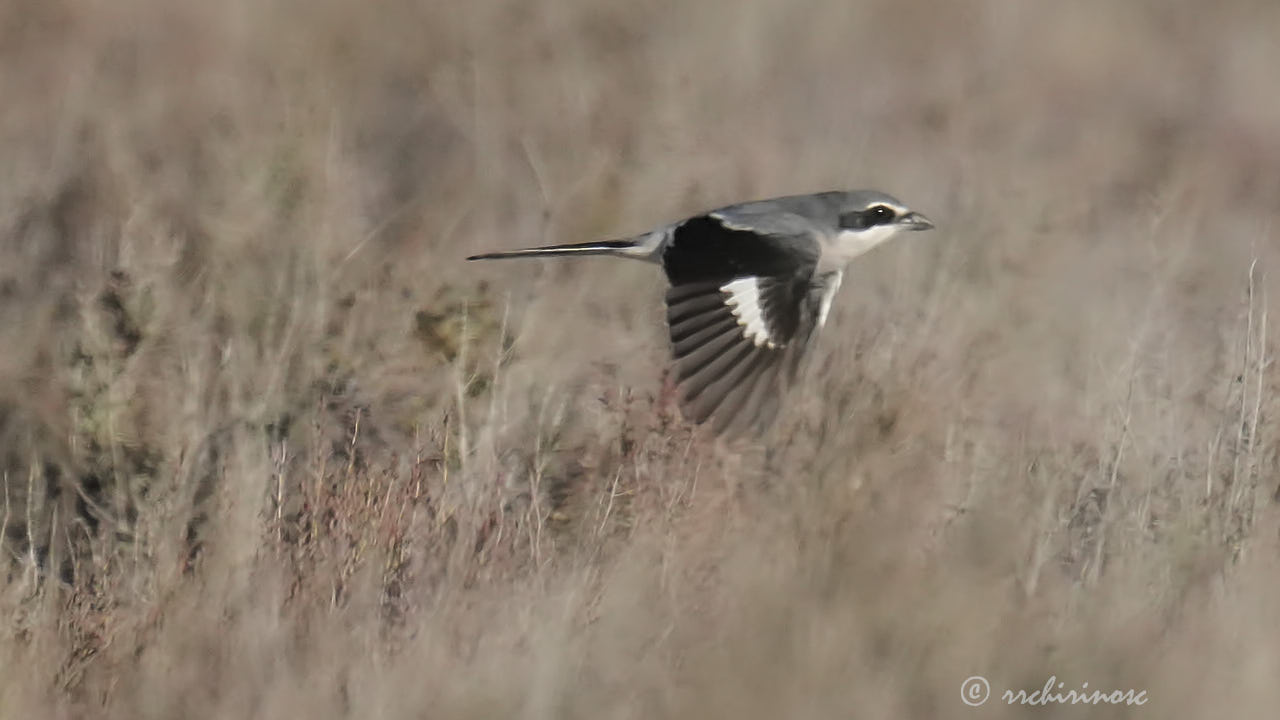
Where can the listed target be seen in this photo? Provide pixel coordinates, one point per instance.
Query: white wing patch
(744, 301)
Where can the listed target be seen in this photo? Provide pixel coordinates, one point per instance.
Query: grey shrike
(751, 284)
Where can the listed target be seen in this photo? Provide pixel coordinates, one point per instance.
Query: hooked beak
(915, 221)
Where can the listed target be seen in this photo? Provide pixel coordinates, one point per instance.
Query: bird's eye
(863, 219)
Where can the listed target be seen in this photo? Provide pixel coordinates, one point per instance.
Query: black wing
(742, 309)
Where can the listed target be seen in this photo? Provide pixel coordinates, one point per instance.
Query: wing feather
(716, 371)
(741, 310)
(694, 306)
(732, 392)
(684, 343)
(753, 412)
(698, 358)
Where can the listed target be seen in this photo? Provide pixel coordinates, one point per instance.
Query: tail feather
(605, 247)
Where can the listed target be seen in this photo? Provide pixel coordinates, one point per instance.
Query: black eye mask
(863, 219)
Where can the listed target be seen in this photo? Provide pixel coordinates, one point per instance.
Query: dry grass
(270, 449)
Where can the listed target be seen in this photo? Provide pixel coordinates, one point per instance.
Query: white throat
(849, 244)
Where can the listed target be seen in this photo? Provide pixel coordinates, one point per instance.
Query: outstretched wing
(742, 309)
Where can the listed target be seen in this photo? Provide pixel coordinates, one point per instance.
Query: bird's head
(866, 218)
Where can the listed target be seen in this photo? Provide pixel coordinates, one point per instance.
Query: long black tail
(606, 247)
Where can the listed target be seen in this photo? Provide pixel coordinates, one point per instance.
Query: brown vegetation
(271, 449)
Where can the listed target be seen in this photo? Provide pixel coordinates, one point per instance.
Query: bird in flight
(751, 284)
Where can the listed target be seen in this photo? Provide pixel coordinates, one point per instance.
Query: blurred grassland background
(270, 448)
